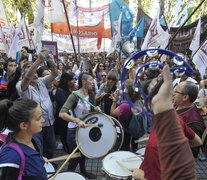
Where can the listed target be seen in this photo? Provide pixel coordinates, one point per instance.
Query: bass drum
(96, 142)
(120, 134)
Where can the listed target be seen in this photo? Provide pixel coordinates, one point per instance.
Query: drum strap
(74, 114)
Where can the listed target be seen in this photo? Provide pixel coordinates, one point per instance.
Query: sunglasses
(113, 79)
(103, 75)
(100, 65)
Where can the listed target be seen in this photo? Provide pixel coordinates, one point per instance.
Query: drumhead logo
(92, 120)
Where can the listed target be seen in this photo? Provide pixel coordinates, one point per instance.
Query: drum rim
(76, 136)
(113, 175)
(122, 129)
(67, 172)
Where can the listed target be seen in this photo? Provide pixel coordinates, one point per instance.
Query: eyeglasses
(103, 75)
(113, 79)
(180, 92)
(100, 65)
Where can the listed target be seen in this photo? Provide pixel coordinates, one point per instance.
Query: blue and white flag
(127, 17)
(138, 30)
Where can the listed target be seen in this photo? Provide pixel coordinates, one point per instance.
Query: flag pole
(121, 33)
(77, 27)
(71, 36)
(184, 24)
(199, 47)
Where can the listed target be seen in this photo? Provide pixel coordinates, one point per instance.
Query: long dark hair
(91, 93)
(65, 77)
(14, 113)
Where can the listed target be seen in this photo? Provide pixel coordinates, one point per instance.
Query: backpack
(138, 125)
(16, 147)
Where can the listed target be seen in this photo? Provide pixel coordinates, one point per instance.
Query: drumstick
(62, 166)
(95, 125)
(64, 157)
(132, 157)
(123, 165)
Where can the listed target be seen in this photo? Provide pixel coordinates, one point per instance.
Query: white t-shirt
(82, 109)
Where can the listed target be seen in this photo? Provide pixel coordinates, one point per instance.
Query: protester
(105, 90)
(64, 89)
(78, 108)
(36, 89)
(24, 118)
(123, 111)
(176, 160)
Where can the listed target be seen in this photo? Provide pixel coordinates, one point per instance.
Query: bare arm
(53, 68)
(31, 71)
(196, 141)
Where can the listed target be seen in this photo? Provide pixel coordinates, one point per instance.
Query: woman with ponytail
(78, 108)
(20, 158)
(123, 111)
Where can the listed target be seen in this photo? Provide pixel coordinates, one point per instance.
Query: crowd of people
(39, 103)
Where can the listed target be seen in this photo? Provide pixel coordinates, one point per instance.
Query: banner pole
(71, 36)
(199, 47)
(184, 24)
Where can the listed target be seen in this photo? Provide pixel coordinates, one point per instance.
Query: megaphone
(128, 47)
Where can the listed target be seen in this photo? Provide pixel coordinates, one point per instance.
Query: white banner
(54, 12)
(20, 39)
(195, 44)
(86, 44)
(39, 22)
(3, 45)
(156, 36)
(116, 36)
(200, 59)
(3, 16)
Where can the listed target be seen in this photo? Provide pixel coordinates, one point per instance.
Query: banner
(184, 37)
(64, 43)
(3, 44)
(156, 36)
(92, 22)
(200, 59)
(54, 11)
(52, 47)
(39, 22)
(196, 38)
(116, 36)
(3, 16)
(116, 7)
(20, 39)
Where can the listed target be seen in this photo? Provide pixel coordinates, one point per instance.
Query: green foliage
(26, 6)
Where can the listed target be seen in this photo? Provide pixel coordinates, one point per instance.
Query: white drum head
(49, 168)
(69, 175)
(141, 150)
(96, 142)
(114, 169)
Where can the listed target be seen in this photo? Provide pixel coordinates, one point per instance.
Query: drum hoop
(67, 172)
(122, 130)
(76, 135)
(113, 175)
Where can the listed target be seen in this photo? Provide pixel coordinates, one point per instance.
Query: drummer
(24, 118)
(175, 156)
(78, 108)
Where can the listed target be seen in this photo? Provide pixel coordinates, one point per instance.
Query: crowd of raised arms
(44, 100)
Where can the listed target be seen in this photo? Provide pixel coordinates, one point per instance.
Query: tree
(28, 7)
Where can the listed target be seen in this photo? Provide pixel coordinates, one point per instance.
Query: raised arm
(27, 78)
(176, 158)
